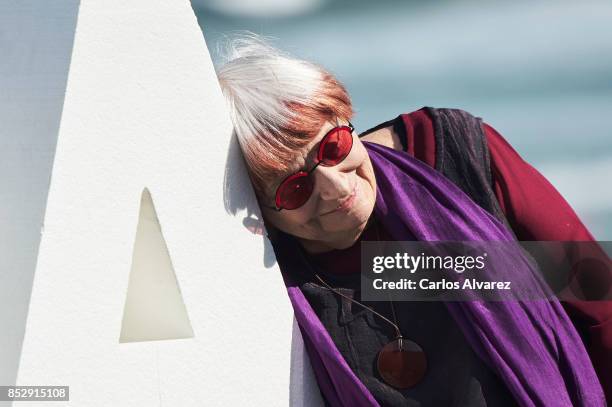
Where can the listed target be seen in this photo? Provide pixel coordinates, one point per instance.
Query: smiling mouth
(345, 204)
(348, 202)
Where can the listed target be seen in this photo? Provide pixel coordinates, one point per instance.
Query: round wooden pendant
(402, 363)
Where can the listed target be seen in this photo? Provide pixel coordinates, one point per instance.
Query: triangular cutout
(154, 308)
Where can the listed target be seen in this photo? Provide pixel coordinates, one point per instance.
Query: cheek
(367, 182)
(364, 170)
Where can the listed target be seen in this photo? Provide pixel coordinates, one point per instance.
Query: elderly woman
(433, 174)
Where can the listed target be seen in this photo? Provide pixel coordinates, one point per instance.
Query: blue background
(539, 72)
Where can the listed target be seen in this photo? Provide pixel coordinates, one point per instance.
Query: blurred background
(540, 72)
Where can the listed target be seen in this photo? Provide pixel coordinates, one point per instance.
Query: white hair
(266, 90)
(258, 80)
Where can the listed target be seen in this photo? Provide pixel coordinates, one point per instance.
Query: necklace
(401, 363)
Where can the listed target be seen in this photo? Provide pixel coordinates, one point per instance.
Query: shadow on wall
(238, 196)
(36, 47)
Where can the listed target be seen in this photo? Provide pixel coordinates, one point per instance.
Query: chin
(351, 223)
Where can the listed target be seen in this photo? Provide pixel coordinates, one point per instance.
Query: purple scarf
(532, 346)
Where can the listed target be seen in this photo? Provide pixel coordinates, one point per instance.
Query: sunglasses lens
(402, 363)
(294, 191)
(336, 146)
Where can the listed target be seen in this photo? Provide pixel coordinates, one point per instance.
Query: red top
(535, 211)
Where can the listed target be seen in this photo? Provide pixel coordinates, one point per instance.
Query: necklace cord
(397, 330)
(378, 238)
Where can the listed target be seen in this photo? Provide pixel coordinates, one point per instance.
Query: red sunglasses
(334, 147)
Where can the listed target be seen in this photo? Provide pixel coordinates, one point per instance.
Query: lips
(348, 201)
(346, 204)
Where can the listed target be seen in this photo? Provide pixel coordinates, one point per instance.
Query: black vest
(455, 376)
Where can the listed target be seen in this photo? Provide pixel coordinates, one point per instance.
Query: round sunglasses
(295, 190)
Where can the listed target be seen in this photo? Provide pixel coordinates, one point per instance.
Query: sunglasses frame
(307, 173)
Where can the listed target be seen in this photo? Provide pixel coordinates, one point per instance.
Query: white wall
(143, 109)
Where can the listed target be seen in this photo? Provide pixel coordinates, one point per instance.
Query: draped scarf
(531, 345)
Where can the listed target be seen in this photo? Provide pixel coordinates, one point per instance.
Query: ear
(254, 225)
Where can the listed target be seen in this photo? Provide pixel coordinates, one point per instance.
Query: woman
(433, 174)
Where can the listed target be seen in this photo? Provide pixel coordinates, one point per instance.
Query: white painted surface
(143, 109)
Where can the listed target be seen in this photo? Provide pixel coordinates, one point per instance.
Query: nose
(332, 183)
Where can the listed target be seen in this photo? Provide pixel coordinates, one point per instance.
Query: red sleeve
(420, 140)
(534, 208)
(535, 211)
